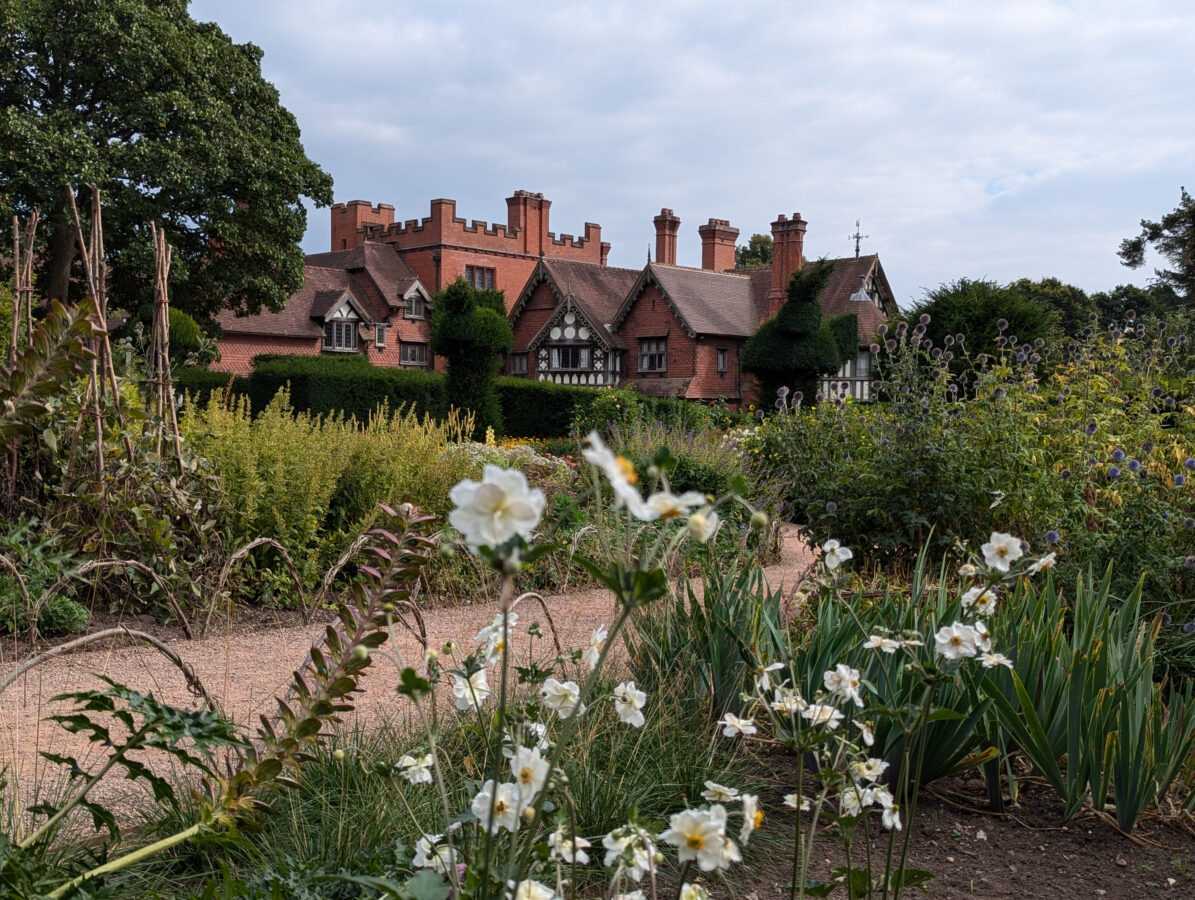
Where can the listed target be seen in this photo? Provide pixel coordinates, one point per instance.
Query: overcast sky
(994, 139)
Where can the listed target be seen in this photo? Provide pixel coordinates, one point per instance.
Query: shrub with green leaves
(1092, 458)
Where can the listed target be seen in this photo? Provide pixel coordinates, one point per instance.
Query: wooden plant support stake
(165, 411)
(103, 374)
(22, 319)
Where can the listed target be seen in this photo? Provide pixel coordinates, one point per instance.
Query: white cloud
(1000, 140)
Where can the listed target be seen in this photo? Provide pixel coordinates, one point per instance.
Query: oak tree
(175, 125)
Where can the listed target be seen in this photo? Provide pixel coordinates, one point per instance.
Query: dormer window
(416, 307)
(340, 336)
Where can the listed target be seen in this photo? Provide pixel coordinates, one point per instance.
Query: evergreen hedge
(323, 385)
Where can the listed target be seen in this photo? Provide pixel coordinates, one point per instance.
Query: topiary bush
(470, 329)
(796, 347)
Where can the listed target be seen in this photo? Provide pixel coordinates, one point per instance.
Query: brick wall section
(237, 350)
(535, 314)
(708, 384)
(512, 250)
(349, 218)
(652, 317)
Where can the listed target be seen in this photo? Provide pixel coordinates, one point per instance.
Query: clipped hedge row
(321, 385)
(541, 409)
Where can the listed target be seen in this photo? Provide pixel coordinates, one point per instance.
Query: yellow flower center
(525, 775)
(758, 817)
(626, 469)
(500, 807)
(695, 842)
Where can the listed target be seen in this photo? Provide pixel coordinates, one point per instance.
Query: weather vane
(857, 237)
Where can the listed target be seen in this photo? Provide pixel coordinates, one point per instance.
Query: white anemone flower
(700, 836)
(787, 700)
(853, 800)
(562, 696)
(492, 511)
(628, 846)
(868, 770)
(472, 691)
(956, 641)
(983, 640)
(834, 554)
(666, 505)
(844, 683)
(633, 895)
(891, 816)
(531, 772)
(822, 714)
(487, 634)
(1046, 562)
(752, 817)
(1001, 551)
(702, 525)
(566, 849)
(628, 703)
(429, 855)
(596, 641)
(991, 660)
(866, 731)
(763, 676)
(621, 475)
(733, 726)
(416, 770)
(719, 793)
(504, 798)
(880, 642)
(494, 636)
(693, 892)
(983, 599)
(796, 801)
(533, 890)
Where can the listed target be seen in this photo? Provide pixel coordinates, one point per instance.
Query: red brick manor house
(665, 329)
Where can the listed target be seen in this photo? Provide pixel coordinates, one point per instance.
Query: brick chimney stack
(667, 226)
(527, 213)
(347, 218)
(717, 245)
(788, 244)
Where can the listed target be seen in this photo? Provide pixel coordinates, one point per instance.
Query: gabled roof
(849, 274)
(295, 319)
(845, 280)
(596, 292)
(390, 272)
(707, 302)
(375, 277)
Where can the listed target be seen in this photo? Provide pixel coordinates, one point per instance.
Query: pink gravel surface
(244, 672)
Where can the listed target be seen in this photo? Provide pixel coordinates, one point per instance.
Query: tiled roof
(601, 289)
(374, 274)
(844, 281)
(389, 270)
(598, 291)
(295, 318)
(710, 302)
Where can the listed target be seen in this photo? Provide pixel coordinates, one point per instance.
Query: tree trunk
(61, 249)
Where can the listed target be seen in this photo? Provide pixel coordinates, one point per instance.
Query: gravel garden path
(245, 671)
